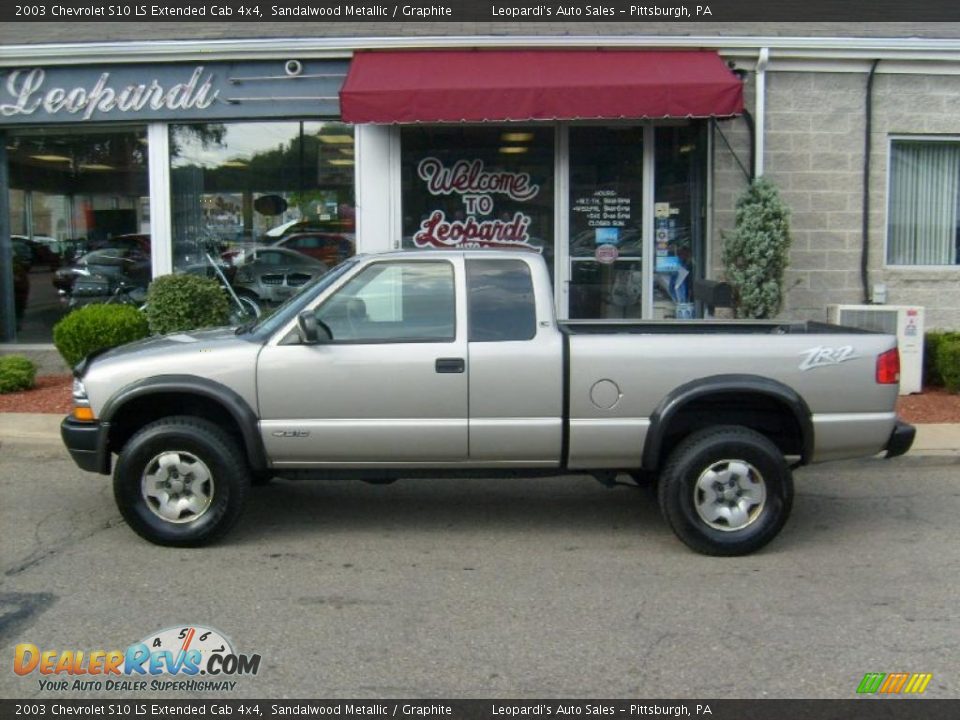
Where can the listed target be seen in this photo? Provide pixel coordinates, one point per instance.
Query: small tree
(755, 254)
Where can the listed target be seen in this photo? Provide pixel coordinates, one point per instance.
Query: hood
(219, 355)
(186, 342)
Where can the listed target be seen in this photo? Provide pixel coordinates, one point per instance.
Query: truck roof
(476, 253)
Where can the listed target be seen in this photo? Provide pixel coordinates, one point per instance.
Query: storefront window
(77, 200)
(679, 215)
(478, 187)
(606, 216)
(274, 201)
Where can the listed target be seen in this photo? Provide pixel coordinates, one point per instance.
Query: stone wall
(814, 152)
(911, 105)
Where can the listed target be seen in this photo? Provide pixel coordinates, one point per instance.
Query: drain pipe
(759, 119)
(867, 147)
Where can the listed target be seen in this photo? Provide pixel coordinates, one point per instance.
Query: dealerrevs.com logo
(190, 658)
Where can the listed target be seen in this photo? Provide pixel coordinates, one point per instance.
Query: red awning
(476, 85)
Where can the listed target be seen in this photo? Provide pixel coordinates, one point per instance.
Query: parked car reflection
(272, 274)
(329, 248)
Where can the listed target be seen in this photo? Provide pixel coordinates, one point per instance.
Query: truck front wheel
(181, 481)
(726, 491)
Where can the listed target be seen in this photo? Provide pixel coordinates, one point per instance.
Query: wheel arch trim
(227, 398)
(679, 398)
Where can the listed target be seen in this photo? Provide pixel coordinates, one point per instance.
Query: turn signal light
(83, 413)
(888, 367)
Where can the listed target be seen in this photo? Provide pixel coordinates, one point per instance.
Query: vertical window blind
(924, 194)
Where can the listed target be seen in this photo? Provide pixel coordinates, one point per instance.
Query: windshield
(288, 310)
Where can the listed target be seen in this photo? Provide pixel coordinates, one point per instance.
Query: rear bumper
(901, 439)
(87, 444)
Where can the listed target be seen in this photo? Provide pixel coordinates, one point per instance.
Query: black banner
(577, 11)
(863, 709)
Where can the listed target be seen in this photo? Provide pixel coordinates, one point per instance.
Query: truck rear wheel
(726, 491)
(181, 481)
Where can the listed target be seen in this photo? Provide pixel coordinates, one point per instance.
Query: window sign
(605, 221)
(476, 187)
(468, 188)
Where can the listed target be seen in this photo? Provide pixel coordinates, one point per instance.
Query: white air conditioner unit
(904, 321)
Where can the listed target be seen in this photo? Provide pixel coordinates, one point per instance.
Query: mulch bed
(934, 405)
(52, 395)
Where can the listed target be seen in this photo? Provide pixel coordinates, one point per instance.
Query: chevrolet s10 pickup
(452, 364)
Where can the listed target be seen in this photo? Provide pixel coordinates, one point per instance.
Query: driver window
(394, 302)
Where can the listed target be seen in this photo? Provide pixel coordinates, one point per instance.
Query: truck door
(389, 389)
(516, 367)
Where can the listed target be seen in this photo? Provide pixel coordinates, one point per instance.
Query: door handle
(450, 365)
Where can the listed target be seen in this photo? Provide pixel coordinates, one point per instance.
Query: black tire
(250, 310)
(182, 439)
(716, 458)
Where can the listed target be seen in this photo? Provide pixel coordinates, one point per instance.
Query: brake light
(888, 367)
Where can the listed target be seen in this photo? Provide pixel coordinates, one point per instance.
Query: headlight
(79, 391)
(81, 403)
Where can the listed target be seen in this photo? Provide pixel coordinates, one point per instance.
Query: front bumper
(87, 444)
(901, 439)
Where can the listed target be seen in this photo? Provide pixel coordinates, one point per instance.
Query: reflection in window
(679, 218)
(79, 200)
(606, 222)
(501, 302)
(394, 302)
(284, 183)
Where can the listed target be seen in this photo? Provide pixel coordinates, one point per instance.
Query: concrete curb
(932, 439)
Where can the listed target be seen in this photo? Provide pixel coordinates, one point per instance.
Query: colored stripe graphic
(871, 683)
(894, 683)
(918, 683)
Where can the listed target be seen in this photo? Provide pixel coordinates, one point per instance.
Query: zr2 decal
(823, 356)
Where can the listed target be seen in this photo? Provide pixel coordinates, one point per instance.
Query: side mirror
(312, 332)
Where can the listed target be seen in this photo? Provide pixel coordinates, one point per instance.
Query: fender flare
(681, 396)
(229, 399)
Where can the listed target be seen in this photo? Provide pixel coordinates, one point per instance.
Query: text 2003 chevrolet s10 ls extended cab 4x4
(451, 364)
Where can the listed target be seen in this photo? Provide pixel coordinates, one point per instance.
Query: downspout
(867, 146)
(760, 111)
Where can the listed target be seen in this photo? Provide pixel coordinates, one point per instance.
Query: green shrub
(756, 252)
(931, 343)
(948, 362)
(16, 373)
(97, 327)
(186, 302)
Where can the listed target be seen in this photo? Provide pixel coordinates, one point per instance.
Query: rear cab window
(501, 301)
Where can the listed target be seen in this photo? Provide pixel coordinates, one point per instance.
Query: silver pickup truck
(453, 364)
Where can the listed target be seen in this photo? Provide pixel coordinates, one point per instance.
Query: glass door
(606, 205)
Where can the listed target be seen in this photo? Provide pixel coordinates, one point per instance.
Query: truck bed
(703, 327)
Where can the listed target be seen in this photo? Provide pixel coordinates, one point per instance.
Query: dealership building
(617, 156)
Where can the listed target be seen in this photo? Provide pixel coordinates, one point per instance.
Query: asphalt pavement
(553, 587)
